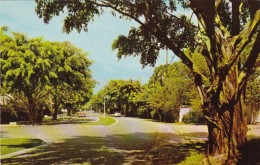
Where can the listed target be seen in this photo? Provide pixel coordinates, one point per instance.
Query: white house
(183, 111)
(253, 113)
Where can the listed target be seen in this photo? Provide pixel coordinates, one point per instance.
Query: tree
(34, 69)
(24, 68)
(224, 30)
(121, 96)
(170, 86)
(70, 81)
(140, 99)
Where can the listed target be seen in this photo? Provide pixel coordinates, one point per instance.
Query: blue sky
(19, 16)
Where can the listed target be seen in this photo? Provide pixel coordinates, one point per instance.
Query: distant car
(82, 114)
(117, 114)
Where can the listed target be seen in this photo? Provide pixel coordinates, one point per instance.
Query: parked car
(117, 114)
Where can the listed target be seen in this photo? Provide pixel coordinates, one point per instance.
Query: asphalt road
(129, 141)
(61, 132)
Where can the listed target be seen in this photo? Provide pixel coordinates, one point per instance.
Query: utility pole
(166, 55)
(105, 106)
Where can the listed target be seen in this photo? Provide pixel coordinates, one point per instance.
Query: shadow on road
(251, 153)
(136, 148)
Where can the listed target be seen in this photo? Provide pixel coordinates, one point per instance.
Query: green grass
(9, 145)
(103, 121)
(59, 119)
(193, 158)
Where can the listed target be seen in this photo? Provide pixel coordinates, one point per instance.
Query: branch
(212, 121)
(248, 66)
(119, 11)
(235, 17)
(241, 41)
(205, 11)
(155, 31)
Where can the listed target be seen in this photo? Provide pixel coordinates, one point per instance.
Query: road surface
(129, 141)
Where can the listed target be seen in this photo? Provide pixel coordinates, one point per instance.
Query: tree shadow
(3, 134)
(76, 150)
(174, 154)
(135, 148)
(69, 121)
(251, 153)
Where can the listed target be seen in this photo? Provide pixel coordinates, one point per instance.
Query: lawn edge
(22, 151)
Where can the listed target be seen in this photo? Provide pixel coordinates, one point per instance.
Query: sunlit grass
(103, 121)
(193, 158)
(9, 145)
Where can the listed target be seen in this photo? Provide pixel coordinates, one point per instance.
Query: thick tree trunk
(227, 130)
(227, 122)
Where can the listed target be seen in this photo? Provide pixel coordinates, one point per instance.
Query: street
(128, 141)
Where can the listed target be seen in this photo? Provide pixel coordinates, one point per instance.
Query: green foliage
(195, 117)
(32, 69)
(194, 158)
(143, 40)
(169, 88)
(70, 83)
(119, 96)
(253, 86)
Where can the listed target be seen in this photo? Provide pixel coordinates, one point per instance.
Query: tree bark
(228, 135)
(32, 110)
(56, 107)
(226, 120)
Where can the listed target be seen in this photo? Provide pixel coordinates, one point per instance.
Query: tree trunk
(227, 131)
(226, 120)
(69, 112)
(32, 110)
(56, 107)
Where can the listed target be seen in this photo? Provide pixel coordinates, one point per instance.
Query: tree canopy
(36, 68)
(119, 96)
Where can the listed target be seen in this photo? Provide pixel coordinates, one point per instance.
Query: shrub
(195, 117)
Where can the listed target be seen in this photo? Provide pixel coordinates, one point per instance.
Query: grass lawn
(103, 121)
(59, 119)
(9, 145)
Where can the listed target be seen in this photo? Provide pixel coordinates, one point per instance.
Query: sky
(20, 16)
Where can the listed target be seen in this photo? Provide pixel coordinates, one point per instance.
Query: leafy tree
(140, 99)
(34, 69)
(224, 30)
(23, 68)
(121, 96)
(170, 87)
(70, 81)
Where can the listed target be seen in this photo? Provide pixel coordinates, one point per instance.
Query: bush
(8, 116)
(195, 117)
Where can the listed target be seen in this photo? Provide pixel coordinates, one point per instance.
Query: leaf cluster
(36, 69)
(118, 94)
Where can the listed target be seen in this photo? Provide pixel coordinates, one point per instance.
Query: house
(253, 113)
(183, 111)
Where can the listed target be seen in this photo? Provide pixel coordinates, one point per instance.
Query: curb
(114, 123)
